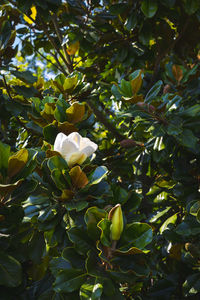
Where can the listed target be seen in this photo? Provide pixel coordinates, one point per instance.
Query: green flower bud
(116, 217)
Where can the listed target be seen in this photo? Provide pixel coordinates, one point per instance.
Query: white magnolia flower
(74, 148)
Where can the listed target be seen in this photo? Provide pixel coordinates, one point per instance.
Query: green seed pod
(116, 217)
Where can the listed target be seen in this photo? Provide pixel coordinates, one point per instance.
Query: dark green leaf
(10, 271)
(153, 92)
(135, 235)
(98, 175)
(149, 8)
(25, 76)
(69, 280)
(79, 238)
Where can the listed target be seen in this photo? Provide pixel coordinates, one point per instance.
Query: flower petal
(85, 142)
(89, 149)
(59, 141)
(68, 148)
(76, 158)
(75, 137)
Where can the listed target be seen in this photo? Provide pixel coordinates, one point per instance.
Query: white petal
(89, 149)
(68, 148)
(76, 158)
(58, 141)
(75, 137)
(85, 142)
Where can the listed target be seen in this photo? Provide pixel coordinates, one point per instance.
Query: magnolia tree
(100, 149)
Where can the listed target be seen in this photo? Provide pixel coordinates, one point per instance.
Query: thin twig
(7, 87)
(56, 66)
(51, 40)
(67, 57)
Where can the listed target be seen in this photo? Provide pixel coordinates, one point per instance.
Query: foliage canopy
(123, 223)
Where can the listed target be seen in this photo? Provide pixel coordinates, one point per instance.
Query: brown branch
(67, 57)
(100, 116)
(56, 66)
(7, 87)
(51, 40)
(61, 68)
(53, 43)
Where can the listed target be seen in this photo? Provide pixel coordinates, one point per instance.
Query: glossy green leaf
(153, 92)
(9, 188)
(91, 290)
(57, 162)
(57, 264)
(131, 22)
(149, 8)
(137, 235)
(188, 139)
(170, 220)
(97, 175)
(60, 179)
(194, 208)
(36, 247)
(159, 214)
(79, 237)
(125, 88)
(69, 280)
(4, 156)
(10, 271)
(192, 111)
(117, 9)
(5, 33)
(104, 226)
(50, 132)
(77, 261)
(78, 206)
(92, 217)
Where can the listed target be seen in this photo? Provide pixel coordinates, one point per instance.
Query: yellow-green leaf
(48, 111)
(131, 251)
(32, 16)
(175, 251)
(70, 83)
(177, 72)
(136, 83)
(66, 195)
(170, 220)
(17, 162)
(78, 177)
(73, 48)
(134, 99)
(66, 127)
(75, 112)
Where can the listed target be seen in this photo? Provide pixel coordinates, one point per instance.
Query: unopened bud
(116, 217)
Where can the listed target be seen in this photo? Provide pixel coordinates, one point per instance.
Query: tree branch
(7, 87)
(53, 43)
(100, 116)
(67, 57)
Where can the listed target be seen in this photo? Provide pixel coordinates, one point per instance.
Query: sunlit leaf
(73, 48)
(32, 17)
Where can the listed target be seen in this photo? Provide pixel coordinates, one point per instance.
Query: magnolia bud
(116, 217)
